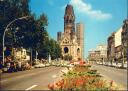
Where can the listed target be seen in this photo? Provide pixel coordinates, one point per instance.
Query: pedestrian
(19, 66)
(8, 65)
(11, 67)
(1, 65)
(116, 61)
(15, 69)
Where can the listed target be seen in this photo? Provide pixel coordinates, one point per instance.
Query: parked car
(5, 69)
(70, 65)
(47, 65)
(39, 65)
(58, 65)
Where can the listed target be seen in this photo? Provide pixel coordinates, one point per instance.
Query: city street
(35, 79)
(110, 73)
(38, 79)
(49, 45)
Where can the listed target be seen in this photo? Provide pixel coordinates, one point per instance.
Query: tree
(10, 10)
(68, 57)
(27, 33)
(51, 47)
(58, 51)
(55, 49)
(43, 37)
(22, 34)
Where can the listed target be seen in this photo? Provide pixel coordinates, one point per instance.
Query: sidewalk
(110, 75)
(114, 84)
(114, 65)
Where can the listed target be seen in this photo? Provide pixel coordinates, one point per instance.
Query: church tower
(69, 22)
(71, 45)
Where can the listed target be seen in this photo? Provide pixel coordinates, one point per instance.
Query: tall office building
(80, 37)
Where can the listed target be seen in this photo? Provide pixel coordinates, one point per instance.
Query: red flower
(111, 83)
(51, 86)
(79, 82)
(60, 83)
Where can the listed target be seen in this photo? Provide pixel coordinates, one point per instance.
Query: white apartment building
(118, 44)
(103, 50)
(21, 55)
(118, 41)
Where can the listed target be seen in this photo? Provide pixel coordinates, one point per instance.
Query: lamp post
(6, 29)
(49, 58)
(123, 60)
(36, 55)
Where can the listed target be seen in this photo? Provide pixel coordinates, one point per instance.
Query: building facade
(103, 51)
(94, 55)
(20, 55)
(125, 40)
(80, 37)
(118, 45)
(99, 54)
(68, 40)
(59, 36)
(111, 47)
(117, 49)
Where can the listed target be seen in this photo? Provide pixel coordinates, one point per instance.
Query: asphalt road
(38, 79)
(35, 79)
(119, 76)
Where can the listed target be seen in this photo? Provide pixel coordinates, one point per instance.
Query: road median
(82, 78)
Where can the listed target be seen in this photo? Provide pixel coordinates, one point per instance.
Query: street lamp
(36, 55)
(49, 58)
(6, 29)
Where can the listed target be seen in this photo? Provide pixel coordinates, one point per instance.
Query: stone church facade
(72, 40)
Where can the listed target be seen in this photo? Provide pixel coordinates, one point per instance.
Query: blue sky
(100, 17)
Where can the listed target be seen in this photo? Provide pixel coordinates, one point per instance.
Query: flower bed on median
(81, 78)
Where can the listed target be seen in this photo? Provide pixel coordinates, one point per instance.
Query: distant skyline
(100, 17)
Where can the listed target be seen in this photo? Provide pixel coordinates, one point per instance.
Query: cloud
(82, 7)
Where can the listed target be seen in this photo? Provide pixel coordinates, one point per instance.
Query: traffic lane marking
(54, 76)
(19, 77)
(33, 86)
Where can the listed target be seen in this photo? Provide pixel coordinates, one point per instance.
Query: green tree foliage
(22, 34)
(46, 45)
(42, 24)
(58, 51)
(67, 57)
(10, 10)
(27, 33)
(43, 37)
(55, 50)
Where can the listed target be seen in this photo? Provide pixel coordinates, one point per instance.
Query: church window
(66, 21)
(66, 50)
(70, 21)
(78, 50)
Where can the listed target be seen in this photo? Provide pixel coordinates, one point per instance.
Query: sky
(100, 17)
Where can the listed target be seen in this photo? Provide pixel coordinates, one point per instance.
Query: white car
(39, 66)
(47, 64)
(70, 65)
